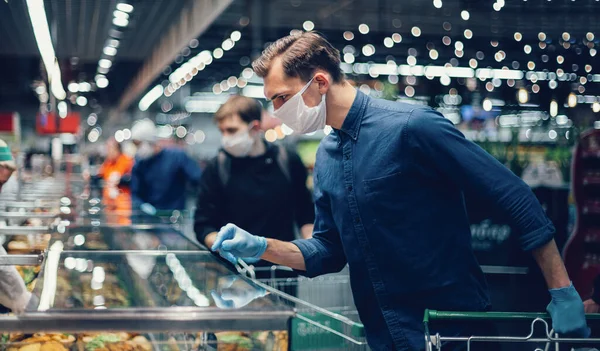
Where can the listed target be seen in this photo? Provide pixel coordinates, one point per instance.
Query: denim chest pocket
(388, 197)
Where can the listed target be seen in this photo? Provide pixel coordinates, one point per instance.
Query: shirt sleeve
(433, 139)
(137, 188)
(191, 168)
(13, 293)
(209, 207)
(304, 208)
(323, 253)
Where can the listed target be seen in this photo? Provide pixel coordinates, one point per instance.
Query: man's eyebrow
(273, 97)
(278, 95)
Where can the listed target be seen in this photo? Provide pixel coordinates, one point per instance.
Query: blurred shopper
(116, 194)
(389, 184)
(257, 185)
(13, 293)
(7, 164)
(160, 174)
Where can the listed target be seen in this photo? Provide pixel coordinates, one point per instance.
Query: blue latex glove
(233, 242)
(249, 260)
(148, 209)
(235, 296)
(568, 316)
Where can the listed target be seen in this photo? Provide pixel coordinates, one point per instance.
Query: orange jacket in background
(121, 203)
(122, 165)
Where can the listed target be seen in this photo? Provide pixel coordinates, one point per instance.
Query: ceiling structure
(490, 34)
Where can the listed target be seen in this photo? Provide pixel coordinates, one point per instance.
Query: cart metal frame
(434, 342)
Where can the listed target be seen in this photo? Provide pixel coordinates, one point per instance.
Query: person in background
(252, 183)
(7, 164)
(117, 196)
(389, 202)
(13, 293)
(160, 174)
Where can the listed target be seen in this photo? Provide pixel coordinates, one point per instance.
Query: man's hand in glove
(233, 242)
(567, 312)
(235, 293)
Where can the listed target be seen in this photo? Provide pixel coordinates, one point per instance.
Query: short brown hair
(247, 108)
(301, 55)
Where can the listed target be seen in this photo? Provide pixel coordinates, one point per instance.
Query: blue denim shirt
(389, 202)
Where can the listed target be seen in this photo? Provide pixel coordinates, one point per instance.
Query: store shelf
(591, 154)
(591, 180)
(591, 209)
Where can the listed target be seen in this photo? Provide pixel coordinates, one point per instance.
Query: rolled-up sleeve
(434, 139)
(323, 253)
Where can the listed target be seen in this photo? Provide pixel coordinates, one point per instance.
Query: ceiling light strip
(41, 31)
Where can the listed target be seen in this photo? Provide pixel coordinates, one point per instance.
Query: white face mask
(301, 118)
(144, 151)
(238, 145)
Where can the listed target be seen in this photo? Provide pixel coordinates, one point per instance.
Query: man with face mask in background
(13, 294)
(389, 198)
(160, 174)
(259, 185)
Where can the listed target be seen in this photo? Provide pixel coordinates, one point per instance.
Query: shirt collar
(351, 125)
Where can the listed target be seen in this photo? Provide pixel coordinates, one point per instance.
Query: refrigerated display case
(102, 286)
(167, 296)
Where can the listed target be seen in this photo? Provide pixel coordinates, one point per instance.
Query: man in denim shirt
(389, 184)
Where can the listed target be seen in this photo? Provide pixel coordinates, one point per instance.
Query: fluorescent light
(73, 87)
(85, 87)
(254, 91)
(82, 101)
(554, 110)
(93, 135)
(62, 109)
(109, 51)
(121, 14)
(56, 84)
(41, 31)
(112, 43)
(150, 97)
(101, 81)
(124, 7)
(218, 53)
(236, 35)
(120, 22)
(202, 106)
(454, 72)
(104, 63)
(227, 44)
(507, 74)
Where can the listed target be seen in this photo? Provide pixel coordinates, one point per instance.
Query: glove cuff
(262, 247)
(565, 293)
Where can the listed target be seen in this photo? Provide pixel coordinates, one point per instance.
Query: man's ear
(324, 81)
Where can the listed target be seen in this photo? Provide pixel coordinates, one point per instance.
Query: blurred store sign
(50, 123)
(10, 129)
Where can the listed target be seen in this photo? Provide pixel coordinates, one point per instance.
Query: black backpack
(224, 164)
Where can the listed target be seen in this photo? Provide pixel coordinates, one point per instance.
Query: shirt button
(356, 220)
(349, 187)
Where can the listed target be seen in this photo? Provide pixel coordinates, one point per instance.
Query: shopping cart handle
(358, 330)
(455, 315)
